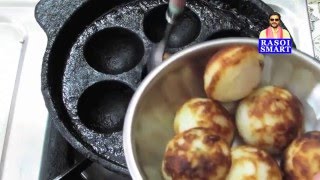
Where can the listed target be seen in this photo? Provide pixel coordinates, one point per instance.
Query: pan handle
(51, 15)
(75, 171)
(74, 15)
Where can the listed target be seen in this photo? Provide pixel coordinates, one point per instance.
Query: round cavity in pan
(102, 106)
(186, 29)
(114, 50)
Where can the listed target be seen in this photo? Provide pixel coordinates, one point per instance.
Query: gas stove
(31, 147)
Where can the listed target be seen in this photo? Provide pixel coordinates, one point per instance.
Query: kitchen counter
(314, 17)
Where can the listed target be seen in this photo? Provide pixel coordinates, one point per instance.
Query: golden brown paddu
(302, 158)
(270, 118)
(233, 72)
(196, 154)
(203, 112)
(250, 163)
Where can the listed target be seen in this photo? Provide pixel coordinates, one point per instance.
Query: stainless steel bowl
(148, 123)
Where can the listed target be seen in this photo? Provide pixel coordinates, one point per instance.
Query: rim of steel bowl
(127, 129)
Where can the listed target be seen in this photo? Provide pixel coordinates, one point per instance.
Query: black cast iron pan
(96, 56)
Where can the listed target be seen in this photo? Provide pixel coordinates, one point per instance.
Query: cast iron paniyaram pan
(96, 56)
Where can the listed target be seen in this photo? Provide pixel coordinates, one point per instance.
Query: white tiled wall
(314, 16)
